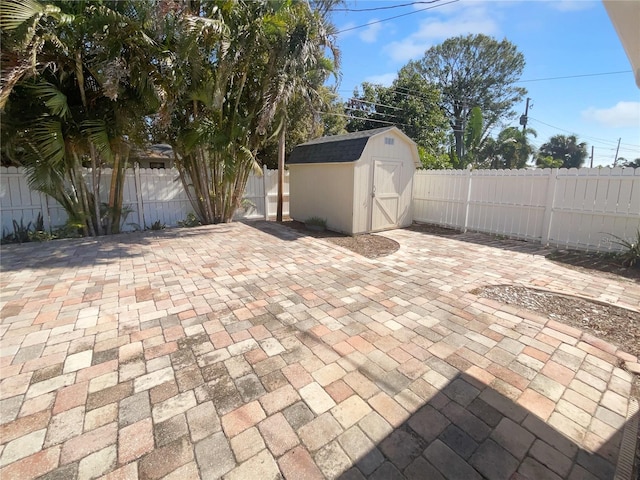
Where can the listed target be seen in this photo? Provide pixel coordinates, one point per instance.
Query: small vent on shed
(388, 140)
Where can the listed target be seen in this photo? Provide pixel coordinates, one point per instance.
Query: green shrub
(630, 255)
(190, 221)
(157, 225)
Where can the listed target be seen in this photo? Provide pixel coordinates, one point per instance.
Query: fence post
(548, 210)
(265, 191)
(138, 186)
(468, 201)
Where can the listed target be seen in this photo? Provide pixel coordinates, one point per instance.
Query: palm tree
(565, 149)
(511, 149)
(78, 86)
(233, 71)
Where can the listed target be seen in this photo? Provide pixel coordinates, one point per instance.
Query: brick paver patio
(247, 351)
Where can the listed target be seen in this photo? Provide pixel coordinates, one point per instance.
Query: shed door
(387, 176)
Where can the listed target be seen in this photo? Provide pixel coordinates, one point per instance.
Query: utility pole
(591, 157)
(615, 159)
(281, 150)
(524, 118)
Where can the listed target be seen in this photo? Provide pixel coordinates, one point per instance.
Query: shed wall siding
(325, 191)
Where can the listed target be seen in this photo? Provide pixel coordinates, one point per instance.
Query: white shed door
(386, 194)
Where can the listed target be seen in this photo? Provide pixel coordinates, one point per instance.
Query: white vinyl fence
(150, 194)
(577, 208)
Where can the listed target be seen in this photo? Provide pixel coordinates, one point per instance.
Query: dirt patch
(368, 245)
(434, 229)
(608, 264)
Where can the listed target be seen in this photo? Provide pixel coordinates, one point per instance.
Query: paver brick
(297, 463)
(361, 450)
(462, 379)
(493, 461)
(34, 465)
(87, 443)
(22, 447)
(135, 440)
(278, 434)
(170, 430)
(332, 460)
(246, 444)
(97, 463)
(64, 426)
(214, 456)
(551, 458)
(319, 431)
(164, 460)
(24, 425)
(242, 418)
(449, 463)
(173, 406)
(389, 409)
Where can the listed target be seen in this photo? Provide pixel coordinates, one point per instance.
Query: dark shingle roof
(334, 149)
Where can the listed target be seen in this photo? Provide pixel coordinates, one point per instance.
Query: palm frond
(54, 99)
(47, 141)
(13, 13)
(97, 133)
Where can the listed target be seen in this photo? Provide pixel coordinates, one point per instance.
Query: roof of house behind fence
(335, 148)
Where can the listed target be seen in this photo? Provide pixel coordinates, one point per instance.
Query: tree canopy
(473, 71)
(82, 82)
(563, 151)
(411, 103)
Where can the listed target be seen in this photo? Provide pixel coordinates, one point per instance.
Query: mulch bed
(368, 244)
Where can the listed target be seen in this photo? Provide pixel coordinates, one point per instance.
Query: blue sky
(557, 37)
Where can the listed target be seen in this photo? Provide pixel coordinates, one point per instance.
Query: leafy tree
(473, 137)
(473, 71)
(510, 149)
(629, 163)
(565, 149)
(412, 104)
(234, 68)
(78, 82)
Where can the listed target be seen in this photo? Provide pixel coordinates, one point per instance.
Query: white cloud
(370, 34)
(385, 79)
(349, 29)
(571, 5)
(623, 114)
(473, 18)
(406, 49)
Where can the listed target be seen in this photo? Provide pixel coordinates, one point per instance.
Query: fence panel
(507, 202)
(149, 195)
(577, 208)
(440, 197)
(591, 205)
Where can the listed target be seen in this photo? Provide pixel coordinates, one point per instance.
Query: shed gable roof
(334, 148)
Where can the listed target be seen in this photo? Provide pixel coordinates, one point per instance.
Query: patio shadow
(65, 253)
(466, 431)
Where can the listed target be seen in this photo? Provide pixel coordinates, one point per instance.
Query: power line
(372, 103)
(574, 76)
(361, 118)
(601, 140)
(381, 8)
(397, 16)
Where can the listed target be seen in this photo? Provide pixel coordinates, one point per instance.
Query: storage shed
(360, 182)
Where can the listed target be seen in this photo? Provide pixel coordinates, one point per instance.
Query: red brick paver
(248, 350)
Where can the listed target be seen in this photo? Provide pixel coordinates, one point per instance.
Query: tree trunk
(95, 177)
(281, 151)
